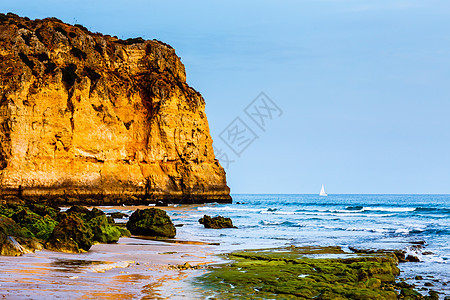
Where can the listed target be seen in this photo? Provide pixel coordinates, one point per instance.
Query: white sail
(322, 191)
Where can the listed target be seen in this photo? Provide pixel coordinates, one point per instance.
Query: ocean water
(362, 221)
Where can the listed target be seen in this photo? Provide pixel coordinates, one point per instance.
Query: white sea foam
(271, 223)
(101, 268)
(417, 252)
(280, 213)
(375, 230)
(402, 231)
(375, 209)
(332, 214)
(231, 209)
(389, 209)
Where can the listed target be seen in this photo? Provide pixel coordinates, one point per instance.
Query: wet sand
(131, 269)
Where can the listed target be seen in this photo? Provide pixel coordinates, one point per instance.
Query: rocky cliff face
(88, 115)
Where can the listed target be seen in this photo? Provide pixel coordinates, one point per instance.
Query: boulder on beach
(102, 228)
(25, 228)
(16, 240)
(41, 226)
(85, 213)
(103, 231)
(9, 246)
(216, 222)
(71, 235)
(151, 222)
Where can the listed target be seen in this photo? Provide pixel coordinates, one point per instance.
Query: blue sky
(364, 85)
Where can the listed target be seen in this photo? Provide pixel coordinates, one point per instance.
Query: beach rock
(44, 210)
(11, 200)
(216, 222)
(124, 232)
(103, 231)
(16, 240)
(6, 211)
(86, 115)
(292, 273)
(412, 258)
(9, 246)
(161, 203)
(410, 293)
(41, 226)
(118, 215)
(373, 283)
(71, 235)
(432, 295)
(151, 222)
(85, 213)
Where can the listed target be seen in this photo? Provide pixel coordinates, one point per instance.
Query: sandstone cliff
(87, 115)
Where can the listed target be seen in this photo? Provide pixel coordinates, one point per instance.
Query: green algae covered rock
(24, 227)
(103, 231)
(71, 235)
(151, 222)
(299, 273)
(85, 213)
(44, 210)
(16, 240)
(41, 226)
(6, 211)
(124, 232)
(216, 222)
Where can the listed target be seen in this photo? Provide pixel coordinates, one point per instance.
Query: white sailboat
(322, 192)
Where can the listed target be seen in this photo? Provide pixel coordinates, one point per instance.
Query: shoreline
(132, 268)
(161, 269)
(139, 267)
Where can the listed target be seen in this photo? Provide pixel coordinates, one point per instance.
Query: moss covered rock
(44, 210)
(292, 273)
(6, 211)
(41, 226)
(16, 240)
(71, 235)
(124, 232)
(85, 213)
(118, 215)
(151, 222)
(216, 222)
(103, 231)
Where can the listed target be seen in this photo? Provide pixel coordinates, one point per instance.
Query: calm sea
(362, 221)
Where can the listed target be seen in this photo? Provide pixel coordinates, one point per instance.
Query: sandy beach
(131, 269)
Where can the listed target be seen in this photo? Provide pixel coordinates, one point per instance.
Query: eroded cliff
(87, 115)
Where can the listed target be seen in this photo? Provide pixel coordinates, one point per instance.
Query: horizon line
(418, 194)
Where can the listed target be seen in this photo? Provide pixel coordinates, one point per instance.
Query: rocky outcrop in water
(89, 116)
(218, 222)
(151, 222)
